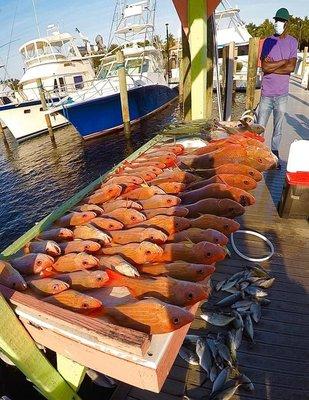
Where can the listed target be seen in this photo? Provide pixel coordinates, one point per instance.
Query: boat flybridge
(97, 110)
(55, 60)
(231, 28)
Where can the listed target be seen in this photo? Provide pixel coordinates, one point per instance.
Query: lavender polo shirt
(277, 49)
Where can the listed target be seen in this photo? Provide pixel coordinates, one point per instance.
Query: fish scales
(220, 207)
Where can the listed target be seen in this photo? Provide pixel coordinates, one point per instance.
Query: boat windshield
(133, 66)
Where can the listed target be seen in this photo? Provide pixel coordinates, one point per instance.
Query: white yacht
(57, 61)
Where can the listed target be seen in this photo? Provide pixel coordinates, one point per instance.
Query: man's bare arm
(269, 66)
(287, 68)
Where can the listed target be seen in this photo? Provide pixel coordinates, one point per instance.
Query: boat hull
(27, 119)
(102, 115)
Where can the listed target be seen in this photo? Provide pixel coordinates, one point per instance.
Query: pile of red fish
(156, 226)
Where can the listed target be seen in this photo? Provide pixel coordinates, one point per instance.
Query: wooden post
(234, 74)
(252, 71)
(123, 93)
(44, 106)
(18, 346)
(210, 66)
(197, 18)
(186, 77)
(303, 66)
(229, 82)
(223, 68)
(71, 371)
(180, 85)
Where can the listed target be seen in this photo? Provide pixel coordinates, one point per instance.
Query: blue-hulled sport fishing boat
(97, 110)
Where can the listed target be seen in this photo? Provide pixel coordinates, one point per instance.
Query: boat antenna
(10, 41)
(36, 18)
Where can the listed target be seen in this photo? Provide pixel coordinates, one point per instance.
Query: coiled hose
(259, 235)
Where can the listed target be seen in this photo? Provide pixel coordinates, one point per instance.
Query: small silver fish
(255, 291)
(220, 380)
(188, 355)
(227, 391)
(231, 343)
(249, 327)
(224, 353)
(246, 383)
(238, 337)
(256, 311)
(217, 319)
(242, 303)
(229, 300)
(204, 355)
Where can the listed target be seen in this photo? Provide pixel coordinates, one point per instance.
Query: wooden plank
(197, 17)
(71, 371)
(18, 346)
(252, 71)
(92, 328)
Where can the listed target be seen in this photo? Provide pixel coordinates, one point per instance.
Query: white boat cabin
(57, 60)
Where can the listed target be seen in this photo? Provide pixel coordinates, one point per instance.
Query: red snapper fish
(181, 270)
(151, 316)
(139, 234)
(239, 181)
(10, 277)
(218, 191)
(168, 223)
(196, 235)
(221, 224)
(170, 290)
(79, 246)
(106, 193)
(256, 157)
(57, 234)
(113, 205)
(75, 262)
(142, 193)
(32, 263)
(235, 169)
(73, 300)
(199, 253)
(160, 201)
(75, 218)
(138, 253)
(127, 216)
(43, 246)
(47, 286)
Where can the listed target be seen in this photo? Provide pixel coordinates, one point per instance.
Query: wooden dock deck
(278, 361)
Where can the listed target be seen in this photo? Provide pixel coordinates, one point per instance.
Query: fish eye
(260, 160)
(39, 262)
(84, 215)
(208, 254)
(13, 284)
(99, 278)
(148, 252)
(55, 287)
(190, 296)
(84, 305)
(251, 173)
(169, 201)
(84, 262)
(133, 218)
(110, 225)
(200, 272)
(87, 247)
(109, 190)
(176, 320)
(246, 182)
(226, 226)
(216, 240)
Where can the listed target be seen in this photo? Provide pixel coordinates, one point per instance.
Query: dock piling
(303, 66)
(197, 16)
(209, 66)
(252, 71)
(185, 75)
(44, 106)
(229, 77)
(123, 93)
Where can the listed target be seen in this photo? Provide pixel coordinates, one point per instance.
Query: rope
(259, 235)
(10, 41)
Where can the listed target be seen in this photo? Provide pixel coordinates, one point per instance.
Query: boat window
(243, 50)
(56, 85)
(31, 51)
(5, 100)
(108, 70)
(62, 83)
(78, 82)
(133, 66)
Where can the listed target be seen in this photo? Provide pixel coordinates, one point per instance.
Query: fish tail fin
(115, 278)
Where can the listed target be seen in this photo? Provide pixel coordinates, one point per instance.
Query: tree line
(297, 27)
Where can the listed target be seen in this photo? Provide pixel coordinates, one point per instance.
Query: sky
(94, 16)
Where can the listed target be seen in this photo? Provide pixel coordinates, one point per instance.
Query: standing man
(278, 56)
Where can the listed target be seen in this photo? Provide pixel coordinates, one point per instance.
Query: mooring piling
(123, 90)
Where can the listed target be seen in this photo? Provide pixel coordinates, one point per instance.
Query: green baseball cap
(282, 13)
